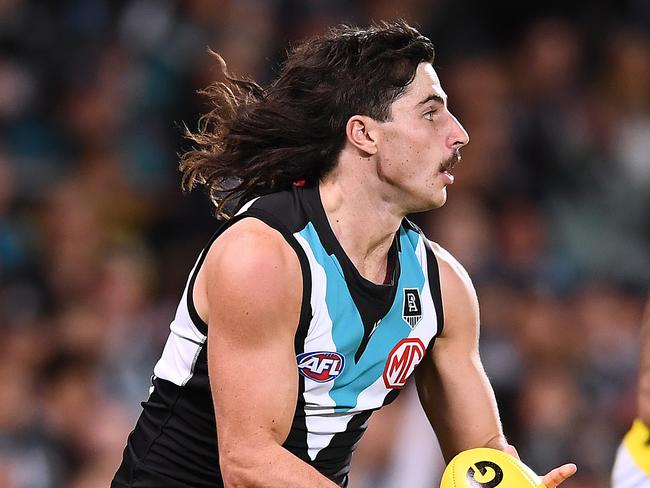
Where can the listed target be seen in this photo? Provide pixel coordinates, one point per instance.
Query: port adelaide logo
(320, 366)
(412, 311)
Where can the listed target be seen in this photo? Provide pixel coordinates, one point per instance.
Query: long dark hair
(256, 141)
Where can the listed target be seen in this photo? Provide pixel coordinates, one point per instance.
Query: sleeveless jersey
(357, 344)
(632, 465)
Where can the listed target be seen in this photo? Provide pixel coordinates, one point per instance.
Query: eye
(429, 114)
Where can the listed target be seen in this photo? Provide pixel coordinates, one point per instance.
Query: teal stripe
(347, 331)
(392, 329)
(412, 237)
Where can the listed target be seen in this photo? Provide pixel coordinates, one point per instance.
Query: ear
(359, 133)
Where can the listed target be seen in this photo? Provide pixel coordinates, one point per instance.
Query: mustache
(451, 162)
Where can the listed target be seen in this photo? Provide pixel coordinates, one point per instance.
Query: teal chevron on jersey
(411, 235)
(389, 332)
(347, 330)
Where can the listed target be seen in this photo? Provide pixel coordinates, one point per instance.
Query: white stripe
(423, 258)
(426, 330)
(320, 430)
(183, 344)
(246, 206)
(185, 340)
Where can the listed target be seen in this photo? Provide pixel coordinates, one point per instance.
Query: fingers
(558, 475)
(510, 449)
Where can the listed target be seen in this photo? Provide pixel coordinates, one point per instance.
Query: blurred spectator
(549, 214)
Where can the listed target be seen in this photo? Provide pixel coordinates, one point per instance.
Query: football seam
(525, 473)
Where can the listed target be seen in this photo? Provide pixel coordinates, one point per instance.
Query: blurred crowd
(550, 213)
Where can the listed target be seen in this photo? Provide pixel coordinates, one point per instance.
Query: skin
(393, 168)
(251, 329)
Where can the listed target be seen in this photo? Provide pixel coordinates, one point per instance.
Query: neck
(363, 222)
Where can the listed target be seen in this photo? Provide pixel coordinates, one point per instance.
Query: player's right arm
(252, 285)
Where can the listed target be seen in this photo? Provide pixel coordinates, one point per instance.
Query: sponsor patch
(320, 366)
(402, 360)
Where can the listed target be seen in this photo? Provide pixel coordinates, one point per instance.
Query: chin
(432, 202)
(440, 199)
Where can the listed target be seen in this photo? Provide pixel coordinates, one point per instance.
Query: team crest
(320, 366)
(412, 311)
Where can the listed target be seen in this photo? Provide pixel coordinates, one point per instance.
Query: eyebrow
(434, 98)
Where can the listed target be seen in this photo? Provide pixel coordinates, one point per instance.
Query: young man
(312, 307)
(632, 466)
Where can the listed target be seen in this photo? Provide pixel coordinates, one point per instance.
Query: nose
(458, 137)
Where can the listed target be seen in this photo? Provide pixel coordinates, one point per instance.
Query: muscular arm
(453, 387)
(253, 292)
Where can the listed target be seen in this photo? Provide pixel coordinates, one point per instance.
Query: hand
(553, 478)
(558, 475)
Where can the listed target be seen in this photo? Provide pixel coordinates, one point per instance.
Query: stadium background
(550, 213)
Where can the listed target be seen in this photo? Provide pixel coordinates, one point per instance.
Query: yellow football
(488, 468)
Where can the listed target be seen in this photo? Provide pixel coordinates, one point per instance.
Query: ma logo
(402, 360)
(320, 366)
(484, 474)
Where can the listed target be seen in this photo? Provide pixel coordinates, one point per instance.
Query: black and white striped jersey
(357, 345)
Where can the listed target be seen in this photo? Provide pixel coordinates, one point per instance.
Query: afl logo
(489, 475)
(402, 360)
(320, 366)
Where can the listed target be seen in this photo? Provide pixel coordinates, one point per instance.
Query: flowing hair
(257, 140)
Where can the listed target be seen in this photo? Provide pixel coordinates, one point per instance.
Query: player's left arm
(453, 387)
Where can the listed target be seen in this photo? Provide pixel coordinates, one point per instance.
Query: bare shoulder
(251, 265)
(460, 303)
(251, 245)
